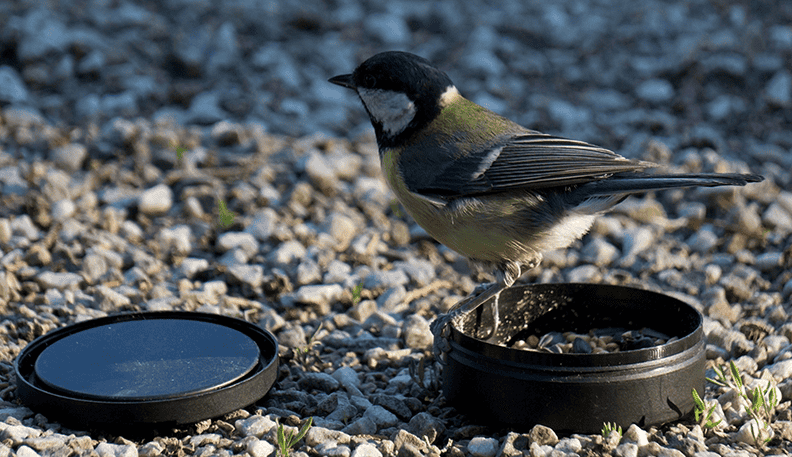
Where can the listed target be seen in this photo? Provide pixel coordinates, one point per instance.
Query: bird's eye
(369, 81)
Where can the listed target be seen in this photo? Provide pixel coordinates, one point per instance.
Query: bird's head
(401, 92)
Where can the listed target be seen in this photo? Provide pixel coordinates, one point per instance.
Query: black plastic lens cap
(147, 369)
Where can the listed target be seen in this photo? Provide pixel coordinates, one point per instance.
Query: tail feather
(644, 182)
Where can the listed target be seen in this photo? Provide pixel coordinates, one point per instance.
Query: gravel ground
(124, 124)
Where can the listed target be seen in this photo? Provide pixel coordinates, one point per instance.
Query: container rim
(630, 303)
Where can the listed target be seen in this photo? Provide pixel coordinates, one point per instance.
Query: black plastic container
(140, 371)
(494, 384)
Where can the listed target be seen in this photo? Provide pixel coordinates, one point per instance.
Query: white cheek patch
(450, 95)
(393, 110)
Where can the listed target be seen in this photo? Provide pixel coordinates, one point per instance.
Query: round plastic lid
(157, 368)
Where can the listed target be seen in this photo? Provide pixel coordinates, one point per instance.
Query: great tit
(484, 186)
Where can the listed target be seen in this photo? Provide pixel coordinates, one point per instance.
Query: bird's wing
(528, 161)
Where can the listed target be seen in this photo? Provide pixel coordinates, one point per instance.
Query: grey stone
(287, 253)
(12, 88)
(543, 435)
(92, 64)
(156, 200)
(366, 450)
(205, 109)
(260, 448)
(321, 295)
(189, 267)
(703, 241)
(241, 240)
(263, 224)
(384, 279)
(337, 271)
(69, 157)
(178, 239)
(361, 426)
(389, 28)
(776, 216)
(63, 209)
(392, 300)
(42, 33)
(422, 272)
(583, 273)
(319, 381)
(416, 332)
(599, 252)
(393, 404)
(319, 435)
(381, 416)
(308, 272)
(252, 275)
(13, 183)
(655, 91)
(481, 446)
(342, 228)
(778, 91)
(424, 425)
(60, 281)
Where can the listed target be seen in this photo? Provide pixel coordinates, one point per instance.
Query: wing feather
(529, 161)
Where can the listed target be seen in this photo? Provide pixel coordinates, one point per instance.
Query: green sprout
(702, 413)
(610, 427)
(356, 293)
(226, 216)
(762, 402)
(287, 441)
(303, 354)
(180, 150)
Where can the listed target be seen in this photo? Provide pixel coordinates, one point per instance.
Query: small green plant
(303, 354)
(226, 216)
(761, 402)
(610, 427)
(180, 150)
(357, 291)
(287, 441)
(703, 414)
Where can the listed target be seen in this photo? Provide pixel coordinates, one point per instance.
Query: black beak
(343, 81)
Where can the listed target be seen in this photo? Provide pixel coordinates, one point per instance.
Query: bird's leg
(506, 275)
(440, 325)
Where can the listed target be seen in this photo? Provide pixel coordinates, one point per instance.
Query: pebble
(319, 381)
(704, 240)
(482, 446)
(424, 425)
(233, 240)
(752, 428)
(543, 435)
(70, 157)
(776, 216)
(60, 281)
(366, 450)
(599, 252)
(381, 417)
(416, 332)
(156, 200)
(286, 253)
(12, 88)
(778, 91)
(655, 91)
(260, 448)
(256, 426)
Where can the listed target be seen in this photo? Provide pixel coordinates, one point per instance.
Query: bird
(486, 187)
